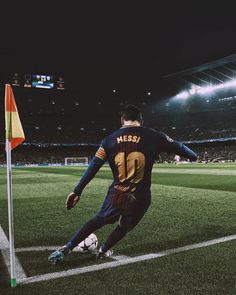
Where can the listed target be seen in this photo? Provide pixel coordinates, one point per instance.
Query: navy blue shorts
(128, 218)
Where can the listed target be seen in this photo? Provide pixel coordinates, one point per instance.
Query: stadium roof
(209, 74)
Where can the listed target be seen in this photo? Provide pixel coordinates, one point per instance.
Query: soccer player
(130, 152)
(177, 159)
(205, 156)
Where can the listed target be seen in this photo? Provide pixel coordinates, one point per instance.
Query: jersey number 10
(131, 167)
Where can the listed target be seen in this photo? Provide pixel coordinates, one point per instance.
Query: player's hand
(71, 200)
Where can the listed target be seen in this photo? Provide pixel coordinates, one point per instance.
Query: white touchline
(122, 260)
(119, 257)
(37, 248)
(4, 247)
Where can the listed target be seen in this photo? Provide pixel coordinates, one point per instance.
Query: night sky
(116, 46)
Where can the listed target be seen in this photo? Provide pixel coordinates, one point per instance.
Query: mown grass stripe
(195, 171)
(122, 262)
(51, 191)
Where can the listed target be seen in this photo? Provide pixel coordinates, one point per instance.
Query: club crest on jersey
(169, 139)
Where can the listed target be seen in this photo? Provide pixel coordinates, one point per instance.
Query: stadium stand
(65, 123)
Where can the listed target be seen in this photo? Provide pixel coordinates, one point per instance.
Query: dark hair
(131, 112)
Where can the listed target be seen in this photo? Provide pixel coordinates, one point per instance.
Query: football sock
(117, 234)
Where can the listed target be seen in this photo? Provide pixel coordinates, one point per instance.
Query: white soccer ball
(88, 245)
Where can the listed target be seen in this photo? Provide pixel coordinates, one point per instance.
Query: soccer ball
(88, 245)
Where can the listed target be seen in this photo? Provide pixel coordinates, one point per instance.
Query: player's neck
(131, 123)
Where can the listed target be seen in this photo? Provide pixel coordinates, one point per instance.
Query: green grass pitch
(191, 203)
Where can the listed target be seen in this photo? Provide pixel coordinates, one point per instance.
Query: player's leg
(89, 227)
(92, 225)
(106, 215)
(126, 223)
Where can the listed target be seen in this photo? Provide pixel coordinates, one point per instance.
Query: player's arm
(186, 152)
(96, 163)
(171, 146)
(89, 174)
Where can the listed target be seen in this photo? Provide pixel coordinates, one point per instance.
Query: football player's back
(131, 152)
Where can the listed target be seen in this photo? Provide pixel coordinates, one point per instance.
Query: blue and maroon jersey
(131, 152)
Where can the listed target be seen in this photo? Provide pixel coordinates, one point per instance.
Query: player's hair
(131, 112)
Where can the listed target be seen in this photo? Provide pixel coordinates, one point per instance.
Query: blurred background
(71, 78)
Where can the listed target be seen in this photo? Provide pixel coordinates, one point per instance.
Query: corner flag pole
(14, 136)
(10, 213)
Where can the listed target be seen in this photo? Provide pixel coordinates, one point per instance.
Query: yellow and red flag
(14, 130)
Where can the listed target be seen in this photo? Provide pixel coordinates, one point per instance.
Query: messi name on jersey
(128, 138)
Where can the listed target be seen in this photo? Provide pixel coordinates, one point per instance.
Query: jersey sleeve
(96, 163)
(168, 145)
(101, 153)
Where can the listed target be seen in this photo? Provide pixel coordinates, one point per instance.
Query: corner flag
(14, 137)
(14, 131)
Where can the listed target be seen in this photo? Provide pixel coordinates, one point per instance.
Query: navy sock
(117, 234)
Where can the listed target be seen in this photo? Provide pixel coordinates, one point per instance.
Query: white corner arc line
(4, 247)
(120, 262)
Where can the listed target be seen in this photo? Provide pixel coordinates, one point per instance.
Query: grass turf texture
(186, 208)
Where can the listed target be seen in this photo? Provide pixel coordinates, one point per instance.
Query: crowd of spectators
(222, 153)
(26, 155)
(62, 118)
(50, 117)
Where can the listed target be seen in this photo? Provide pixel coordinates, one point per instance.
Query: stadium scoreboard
(38, 81)
(42, 81)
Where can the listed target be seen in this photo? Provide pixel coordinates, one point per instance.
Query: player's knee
(99, 220)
